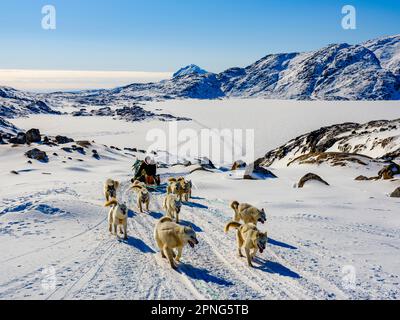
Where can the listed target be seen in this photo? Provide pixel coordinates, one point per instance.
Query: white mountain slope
(387, 50)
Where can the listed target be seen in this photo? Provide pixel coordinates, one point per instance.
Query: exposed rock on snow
(395, 193)
(311, 176)
(37, 154)
(33, 135)
(256, 172)
(20, 138)
(238, 165)
(333, 158)
(389, 171)
(63, 140)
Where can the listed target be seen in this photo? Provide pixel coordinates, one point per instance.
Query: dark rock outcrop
(389, 171)
(395, 193)
(33, 136)
(255, 171)
(37, 154)
(309, 177)
(19, 139)
(63, 140)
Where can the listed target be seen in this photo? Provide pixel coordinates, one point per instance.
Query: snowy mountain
(368, 71)
(188, 70)
(336, 72)
(387, 50)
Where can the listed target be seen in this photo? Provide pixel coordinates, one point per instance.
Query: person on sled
(146, 171)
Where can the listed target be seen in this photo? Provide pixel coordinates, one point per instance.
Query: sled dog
(117, 217)
(172, 206)
(170, 236)
(143, 196)
(247, 213)
(249, 238)
(110, 189)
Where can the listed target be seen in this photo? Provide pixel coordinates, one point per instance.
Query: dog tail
(112, 202)
(235, 205)
(232, 224)
(165, 219)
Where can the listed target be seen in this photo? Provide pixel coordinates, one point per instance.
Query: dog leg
(248, 256)
(179, 256)
(239, 244)
(160, 246)
(170, 257)
(140, 206)
(253, 255)
(125, 230)
(115, 229)
(177, 217)
(147, 205)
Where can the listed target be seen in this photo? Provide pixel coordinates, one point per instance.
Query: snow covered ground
(336, 242)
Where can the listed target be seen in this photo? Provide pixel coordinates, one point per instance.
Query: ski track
(100, 266)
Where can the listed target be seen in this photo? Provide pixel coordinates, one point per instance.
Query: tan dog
(170, 236)
(143, 195)
(185, 191)
(172, 206)
(248, 213)
(175, 187)
(249, 238)
(110, 189)
(117, 217)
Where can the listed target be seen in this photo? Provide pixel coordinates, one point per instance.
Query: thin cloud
(68, 80)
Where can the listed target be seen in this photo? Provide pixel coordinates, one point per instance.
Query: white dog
(117, 217)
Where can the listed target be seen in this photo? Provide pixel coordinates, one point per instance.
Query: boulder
(389, 171)
(95, 155)
(33, 136)
(257, 172)
(362, 178)
(238, 165)
(83, 143)
(206, 163)
(78, 149)
(19, 139)
(396, 193)
(63, 140)
(37, 154)
(311, 176)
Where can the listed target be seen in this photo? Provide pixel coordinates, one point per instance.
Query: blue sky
(163, 35)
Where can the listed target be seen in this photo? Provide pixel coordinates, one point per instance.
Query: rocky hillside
(15, 103)
(338, 144)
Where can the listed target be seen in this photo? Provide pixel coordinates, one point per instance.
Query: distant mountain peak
(190, 69)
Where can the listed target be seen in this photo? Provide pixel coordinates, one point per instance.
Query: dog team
(169, 234)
